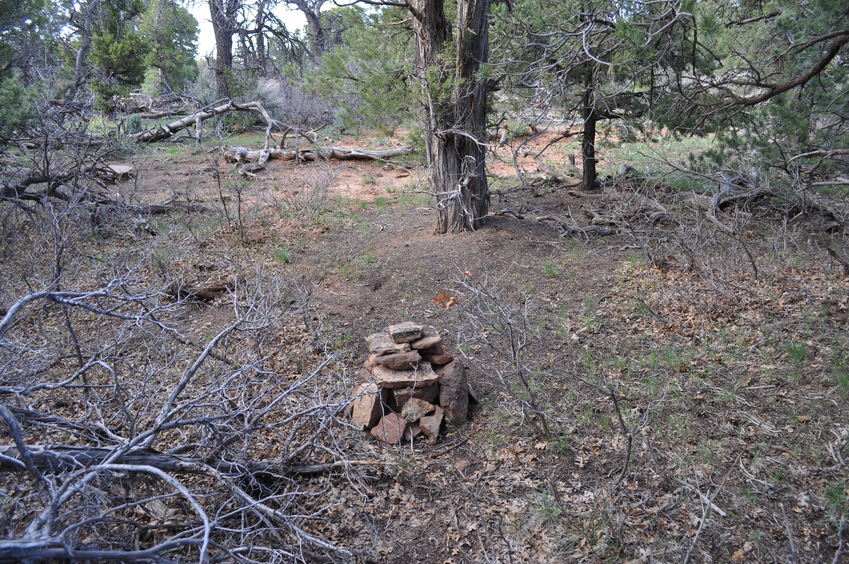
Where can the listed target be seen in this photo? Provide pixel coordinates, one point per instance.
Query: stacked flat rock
(409, 386)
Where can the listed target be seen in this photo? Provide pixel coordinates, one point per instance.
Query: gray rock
(439, 359)
(412, 432)
(401, 396)
(430, 425)
(430, 338)
(415, 409)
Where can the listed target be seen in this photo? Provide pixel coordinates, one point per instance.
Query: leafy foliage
(118, 50)
(368, 76)
(172, 34)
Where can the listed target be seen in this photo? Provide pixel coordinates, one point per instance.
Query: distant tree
(368, 74)
(596, 59)
(24, 29)
(451, 55)
(772, 78)
(118, 50)
(27, 29)
(224, 17)
(171, 32)
(311, 9)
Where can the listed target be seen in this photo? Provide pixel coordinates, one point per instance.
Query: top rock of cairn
(405, 332)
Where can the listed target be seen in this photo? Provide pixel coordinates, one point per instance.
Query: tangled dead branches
(144, 445)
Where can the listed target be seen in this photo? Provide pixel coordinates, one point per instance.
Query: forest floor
(727, 355)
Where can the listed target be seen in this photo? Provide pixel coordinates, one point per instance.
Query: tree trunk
(316, 32)
(589, 181)
(82, 52)
(455, 114)
(223, 16)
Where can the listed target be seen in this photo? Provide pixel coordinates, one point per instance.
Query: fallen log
(259, 157)
(568, 230)
(196, 119)
(243, 154)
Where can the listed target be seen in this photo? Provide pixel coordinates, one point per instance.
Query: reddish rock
(415, 409)
(364, 375)
(439, 359)
(421, 376)
(438, 348)
(381, 343)
(453, 392)
(430, 338)
(430, 425)
(366, 408)
(405, 332)
(371, 361)
(399, 361)
(402, 395)
(390, 429)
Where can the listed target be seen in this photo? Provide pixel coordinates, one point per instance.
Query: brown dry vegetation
(726, 355)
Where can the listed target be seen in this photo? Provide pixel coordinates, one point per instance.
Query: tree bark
(316, 33)
(196, 119)
(589, 180)
(455, 111)
(223, 17)
(311, 9)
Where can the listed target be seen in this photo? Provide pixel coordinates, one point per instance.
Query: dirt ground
(726, 356)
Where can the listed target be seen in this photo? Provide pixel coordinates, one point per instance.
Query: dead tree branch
(148, 425)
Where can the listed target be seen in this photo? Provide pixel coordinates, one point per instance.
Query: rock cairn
(409, 386)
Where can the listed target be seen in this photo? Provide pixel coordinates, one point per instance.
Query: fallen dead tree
(196, 120)
(790, 203)
(67, 188)
(257, 158)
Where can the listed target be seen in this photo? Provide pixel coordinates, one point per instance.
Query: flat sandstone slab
(399, 361)
(429, 338)
(387, 378)
(382, 343)
(405, 332)
(366, 410)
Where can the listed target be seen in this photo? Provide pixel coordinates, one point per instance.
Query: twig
(707, 506)
(794, 553)
(625, 433)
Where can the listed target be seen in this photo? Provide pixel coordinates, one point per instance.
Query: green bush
(14, 106)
